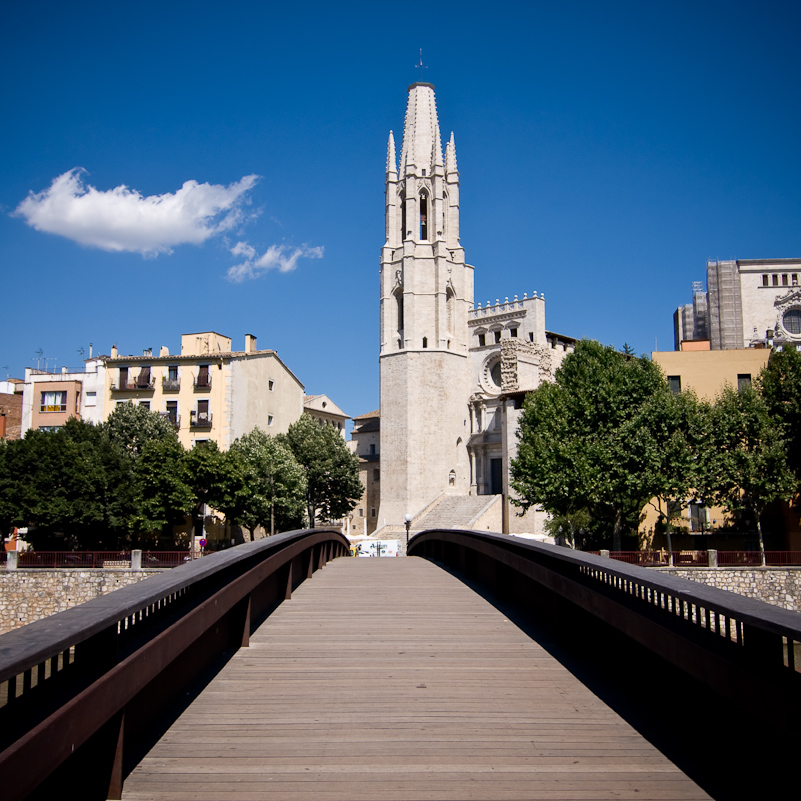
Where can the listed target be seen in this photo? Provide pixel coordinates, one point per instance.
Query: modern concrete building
(446, 363)
(747, 301)
(209, 391)
(50, 399)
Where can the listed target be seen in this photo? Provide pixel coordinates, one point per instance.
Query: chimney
(164, 351)
(250, 343)
(113, 351)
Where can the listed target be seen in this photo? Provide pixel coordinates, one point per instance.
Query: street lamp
(408, 520)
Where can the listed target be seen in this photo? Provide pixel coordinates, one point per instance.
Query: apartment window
(512, 332)
(765, 280)
(172, 372)
(172, 411)
(143, 379)
(674, 382)
(361, 512)
(54, 401)
(123, 377)
(269, 419)
(376, 475)
(145, 404)
(270, 385)
(91, 399)
(482, 340)
(372, 449)
(743, 380)
(203, 380)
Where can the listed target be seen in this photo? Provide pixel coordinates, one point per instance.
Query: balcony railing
(202, 382)
(170, 384)
(170, 417)
(200, 419)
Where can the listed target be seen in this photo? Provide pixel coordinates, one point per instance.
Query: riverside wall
(29, 595)
(780, 586)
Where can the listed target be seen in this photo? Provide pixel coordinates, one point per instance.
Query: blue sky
(606, 151)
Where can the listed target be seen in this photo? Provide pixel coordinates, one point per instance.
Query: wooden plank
(389, 679)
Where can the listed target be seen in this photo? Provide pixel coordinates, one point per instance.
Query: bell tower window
(399, 301)
(423, 218)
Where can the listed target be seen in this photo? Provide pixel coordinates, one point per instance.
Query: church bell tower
(426, 292)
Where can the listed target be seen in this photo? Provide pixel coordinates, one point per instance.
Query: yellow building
(208, 391)
(706, 372)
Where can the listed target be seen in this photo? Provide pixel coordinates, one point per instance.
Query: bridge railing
(730, 643)
(85, 692)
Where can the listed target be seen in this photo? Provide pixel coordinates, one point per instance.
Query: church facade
(450, 371)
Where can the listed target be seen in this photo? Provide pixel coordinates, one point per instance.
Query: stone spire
(392, 168)
(422, 147)
(450, 156)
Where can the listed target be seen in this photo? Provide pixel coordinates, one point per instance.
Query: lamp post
(408, 520)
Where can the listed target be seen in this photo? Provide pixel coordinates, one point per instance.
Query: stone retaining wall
(780, 586)
(29, 595)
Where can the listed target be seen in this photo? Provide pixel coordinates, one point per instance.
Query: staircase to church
(454, 511)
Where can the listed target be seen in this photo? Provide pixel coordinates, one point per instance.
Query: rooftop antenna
(39, 354)
(81, 351)
(420, 66)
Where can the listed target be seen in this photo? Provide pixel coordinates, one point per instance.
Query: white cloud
(121, 219)
(277, 257)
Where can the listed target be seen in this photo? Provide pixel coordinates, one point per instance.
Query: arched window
(425, 342)
(423, 217)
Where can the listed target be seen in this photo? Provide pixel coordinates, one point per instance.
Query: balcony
(170, 384)
(133, 386)
(170, 417)
(200, 419)
(202, 382)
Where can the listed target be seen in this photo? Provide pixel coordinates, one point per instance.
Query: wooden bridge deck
(390, 679)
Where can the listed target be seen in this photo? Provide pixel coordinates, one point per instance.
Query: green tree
(132, 425)
(164, 492)
(747, 468)
(664, 446)
(332, 471)
(780, 386)
(574, 447)
(265, 484)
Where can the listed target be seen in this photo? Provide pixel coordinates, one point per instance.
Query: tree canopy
(332, 471)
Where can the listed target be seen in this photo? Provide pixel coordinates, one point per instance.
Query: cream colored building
(446, 364)
(365, 442)
(209, 391)
(325, 411)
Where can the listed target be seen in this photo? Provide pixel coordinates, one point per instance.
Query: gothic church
(453, 374)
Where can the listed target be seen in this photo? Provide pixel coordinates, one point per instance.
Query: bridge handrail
(702, 630)
(66, 677)
(758, 613)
